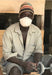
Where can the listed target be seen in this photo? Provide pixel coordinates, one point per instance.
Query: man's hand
(30, 67)
(35, 66)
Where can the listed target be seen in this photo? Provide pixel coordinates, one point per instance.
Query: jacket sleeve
(7, 45)
(38, 48)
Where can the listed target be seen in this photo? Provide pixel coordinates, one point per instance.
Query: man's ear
(33, 17)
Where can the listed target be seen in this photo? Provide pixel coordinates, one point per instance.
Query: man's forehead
(27, 12)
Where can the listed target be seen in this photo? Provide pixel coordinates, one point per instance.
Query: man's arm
(17, 61)
(38, 52)
(37, 57)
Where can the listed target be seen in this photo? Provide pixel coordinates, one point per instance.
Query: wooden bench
(1, 35)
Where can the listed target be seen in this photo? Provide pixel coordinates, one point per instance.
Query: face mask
(26, 21)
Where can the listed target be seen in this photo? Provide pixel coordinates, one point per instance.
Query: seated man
(22, 43)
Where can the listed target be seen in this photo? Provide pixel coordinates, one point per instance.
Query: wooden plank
(13, 6)
(1, 35)
(42, 32)
(1, 71)
(1, 54)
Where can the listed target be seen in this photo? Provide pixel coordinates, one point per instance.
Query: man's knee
(15, 71)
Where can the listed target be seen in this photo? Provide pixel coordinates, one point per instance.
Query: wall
(48, 5)
(12, 6)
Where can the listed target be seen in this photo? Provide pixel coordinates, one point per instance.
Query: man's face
(26, 14)
(26, 18)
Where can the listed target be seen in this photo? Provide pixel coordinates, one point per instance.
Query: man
(22, 43)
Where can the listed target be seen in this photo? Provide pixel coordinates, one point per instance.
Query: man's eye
(30, 16)
(23, 15)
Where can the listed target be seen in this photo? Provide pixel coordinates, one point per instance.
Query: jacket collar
(30, 31)
(17, 29)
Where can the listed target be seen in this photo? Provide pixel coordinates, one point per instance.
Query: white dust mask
(26, 21)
